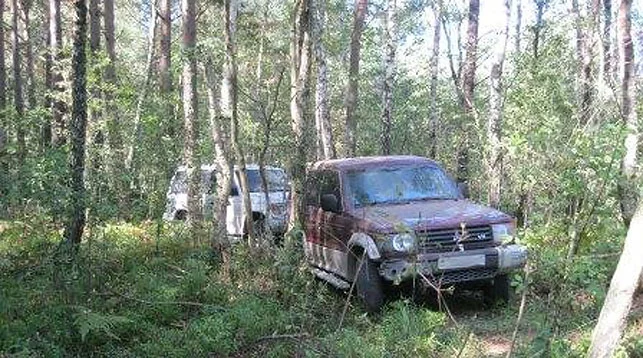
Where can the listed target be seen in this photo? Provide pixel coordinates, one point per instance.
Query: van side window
(321, 183)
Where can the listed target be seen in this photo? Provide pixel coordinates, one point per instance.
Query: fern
(87, 322)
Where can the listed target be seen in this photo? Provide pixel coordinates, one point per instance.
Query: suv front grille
(447, 239)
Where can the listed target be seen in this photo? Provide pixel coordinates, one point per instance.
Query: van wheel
(369, 285)
(498, 290)
(181, 215)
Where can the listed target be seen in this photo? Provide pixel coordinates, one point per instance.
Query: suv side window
(321, 183)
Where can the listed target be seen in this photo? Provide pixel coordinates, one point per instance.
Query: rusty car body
(385, 220)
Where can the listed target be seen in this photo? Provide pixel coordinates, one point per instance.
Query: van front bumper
(457, 266)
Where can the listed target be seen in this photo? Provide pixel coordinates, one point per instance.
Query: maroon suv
(385, 220)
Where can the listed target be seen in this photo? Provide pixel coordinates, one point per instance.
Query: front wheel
(498, 290)
(369, 285)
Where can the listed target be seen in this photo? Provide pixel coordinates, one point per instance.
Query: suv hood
(427, 215)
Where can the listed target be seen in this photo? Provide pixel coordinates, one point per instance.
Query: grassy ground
(133, 291)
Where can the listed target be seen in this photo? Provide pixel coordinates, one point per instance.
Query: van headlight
(504, 233)
(404, 242)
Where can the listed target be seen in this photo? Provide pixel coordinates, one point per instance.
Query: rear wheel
(498, 290)
(369, 285)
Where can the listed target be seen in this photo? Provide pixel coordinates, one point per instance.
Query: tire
(369, 286)
(498, 290)
(181, 215)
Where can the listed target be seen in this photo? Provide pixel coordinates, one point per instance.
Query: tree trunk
(58, 107)
(433, 89)
(25, 7)
(468, 85)
(322, 110)
(94, 26)
(190, 113)
(74, 230)
(389, 77)
(224, 173)
(613, 318)
(113, 121)
(165, 77)
(136, 133)
(494, 125)
(300, 48)
(540, 10)
(607, 41)
(3, 71)
(229, 109)
(517, 46)
(350, 141)
(628, 190)
(18, 100)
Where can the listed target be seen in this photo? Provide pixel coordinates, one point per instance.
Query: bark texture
(300, 52)
(628, 190)
(389, 77)
(494, 124)
(517, 39)
(94, 26)
(322, 110)
(229, 111)
(433, 87)
(78, 125)
(352, 88)
(468, 86)
(189, 111)
(607, 41)
(613, 318)
(58, 107)
(18, 99)
(165, 40)
(3, 71)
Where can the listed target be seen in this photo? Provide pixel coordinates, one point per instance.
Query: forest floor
(133, 291)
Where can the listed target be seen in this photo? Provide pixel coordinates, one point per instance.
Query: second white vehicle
(272, 215)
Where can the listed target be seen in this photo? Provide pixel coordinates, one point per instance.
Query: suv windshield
(276, 180)
(400, 185)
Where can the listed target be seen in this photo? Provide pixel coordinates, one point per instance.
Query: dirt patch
(496, 346)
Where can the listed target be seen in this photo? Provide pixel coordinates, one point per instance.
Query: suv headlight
(503, 232)
(404, 242)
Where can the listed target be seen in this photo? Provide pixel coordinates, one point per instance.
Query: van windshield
(400, 185)
(276, 180)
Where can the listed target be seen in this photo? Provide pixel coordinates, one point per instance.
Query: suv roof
(213, 167)
(370, 162)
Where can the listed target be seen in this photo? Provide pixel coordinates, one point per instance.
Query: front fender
(366, 242)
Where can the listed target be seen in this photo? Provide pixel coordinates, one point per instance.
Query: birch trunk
(494, 124)
(222, 156)
(190, 113)
(468, 86)
(540, 10)
(352, 89)
(229, 110)
(433, 89)
(607, 41)
(322, 111)
(628, 191)
(389, 77)
(613, 318)
(76, 225)
(300, 51)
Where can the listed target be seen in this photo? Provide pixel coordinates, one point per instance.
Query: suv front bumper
(457, 266)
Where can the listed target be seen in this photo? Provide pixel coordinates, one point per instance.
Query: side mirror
(329, 202)
(463, 188)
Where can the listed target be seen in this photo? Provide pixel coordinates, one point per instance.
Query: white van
(273, 217)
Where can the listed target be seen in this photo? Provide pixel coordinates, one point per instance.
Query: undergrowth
(133, 291)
